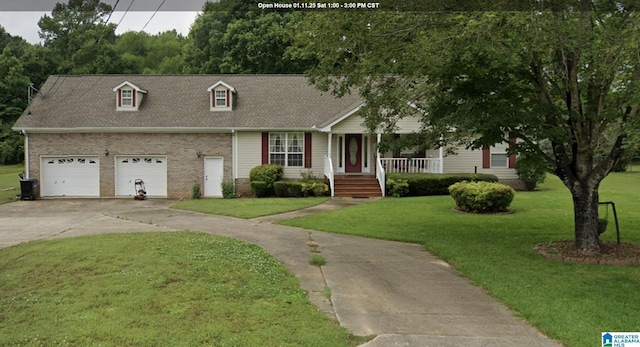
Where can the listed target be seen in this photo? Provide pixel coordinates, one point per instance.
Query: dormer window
(221, 96)
(128, 96)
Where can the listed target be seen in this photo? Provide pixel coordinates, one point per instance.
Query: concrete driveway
(395, 291)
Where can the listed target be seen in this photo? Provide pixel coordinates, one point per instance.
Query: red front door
(353, 153)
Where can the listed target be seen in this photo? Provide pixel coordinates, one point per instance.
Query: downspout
(234, 154)
(26, 154)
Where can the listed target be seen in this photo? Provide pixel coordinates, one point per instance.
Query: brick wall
(184, 168)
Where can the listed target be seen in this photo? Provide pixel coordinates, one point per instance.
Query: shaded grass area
(572, 303)
(9, 182)
(155, 289)
(248, 207)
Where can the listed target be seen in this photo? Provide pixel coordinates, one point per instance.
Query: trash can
(28, 189)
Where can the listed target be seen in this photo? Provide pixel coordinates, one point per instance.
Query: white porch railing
(381, 176)
(414, 165)
(328, 172)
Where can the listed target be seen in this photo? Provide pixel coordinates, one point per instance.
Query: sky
(25, 23)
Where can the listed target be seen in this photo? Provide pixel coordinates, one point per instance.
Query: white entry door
(70, 176)
(152, 170)
(213, 176)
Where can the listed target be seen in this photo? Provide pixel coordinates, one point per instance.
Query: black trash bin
(28, 189)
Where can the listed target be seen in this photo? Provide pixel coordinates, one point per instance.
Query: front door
(353, 153)
(213, 176)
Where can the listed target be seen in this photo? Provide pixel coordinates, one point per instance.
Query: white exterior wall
(468, 161)
(249, 153)
(353, 125)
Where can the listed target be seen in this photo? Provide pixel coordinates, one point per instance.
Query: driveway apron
(396, 292)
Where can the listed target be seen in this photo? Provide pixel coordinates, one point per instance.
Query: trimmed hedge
(482, 197)
(288, 189)
(259, 189)
(267, 173)
(436, 184)
(315, 189)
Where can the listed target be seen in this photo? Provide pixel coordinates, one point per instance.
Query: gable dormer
(221, 96)
(128, 96)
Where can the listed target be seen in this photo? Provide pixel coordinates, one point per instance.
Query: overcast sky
(25, 23)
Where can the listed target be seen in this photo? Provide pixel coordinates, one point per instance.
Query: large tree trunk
(585, 208)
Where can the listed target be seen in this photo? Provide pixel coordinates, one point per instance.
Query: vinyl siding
(353, 125)
(466, 160)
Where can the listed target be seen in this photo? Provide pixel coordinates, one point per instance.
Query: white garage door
(152, 170)
(70, 176)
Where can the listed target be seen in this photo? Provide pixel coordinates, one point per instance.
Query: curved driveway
(395, 291)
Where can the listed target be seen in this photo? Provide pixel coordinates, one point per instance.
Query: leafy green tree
(150, 54)
(562, 72)
(234, 36)
(79, 39)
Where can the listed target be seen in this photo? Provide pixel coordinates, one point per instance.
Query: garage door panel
(73, 176)
(152, 170)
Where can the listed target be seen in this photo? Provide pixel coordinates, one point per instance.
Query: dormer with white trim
(221, 96)
(128, 96)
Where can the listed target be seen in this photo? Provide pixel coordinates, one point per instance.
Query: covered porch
(356, 155)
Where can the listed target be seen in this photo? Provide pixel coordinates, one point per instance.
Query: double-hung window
(221, 98)
(499, 156)
(126, 97)
(286, 149)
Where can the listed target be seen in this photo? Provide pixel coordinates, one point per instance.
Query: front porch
(355, 168)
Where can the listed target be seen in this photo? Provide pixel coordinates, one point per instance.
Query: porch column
(441, 155)
(329, 145)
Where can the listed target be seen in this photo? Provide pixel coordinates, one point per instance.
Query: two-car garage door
(79, 176)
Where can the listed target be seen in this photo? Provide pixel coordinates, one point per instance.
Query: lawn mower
(141, 192)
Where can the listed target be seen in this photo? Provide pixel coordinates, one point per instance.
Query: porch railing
(414, 165)
(381, 175)
(328, 172)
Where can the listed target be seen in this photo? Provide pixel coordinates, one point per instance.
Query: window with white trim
(286, 149)
(499, 157)
(221, 98)
(126, 98)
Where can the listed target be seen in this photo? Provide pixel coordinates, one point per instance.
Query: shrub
(397, 187)
(195, 191)
(268, 174)
(315, 189)
(482, 197)
(436, 184)
(531, 171)
(228, 189)
(259, 189)
(288, 189)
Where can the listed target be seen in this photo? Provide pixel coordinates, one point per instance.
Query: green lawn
(155, 289)
(9, 182)
(573, 303)
(248, 207)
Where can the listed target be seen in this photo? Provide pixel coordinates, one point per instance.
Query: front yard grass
(248, 207)
(155, 289)
(572, 303)
(9, 182)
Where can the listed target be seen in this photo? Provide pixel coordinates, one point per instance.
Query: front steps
(356, 186)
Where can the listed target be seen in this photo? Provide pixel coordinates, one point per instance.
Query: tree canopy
(558, 76)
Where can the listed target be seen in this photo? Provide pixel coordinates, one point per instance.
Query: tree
(79, 39)
(149, 54)
(235, 36)
(560, 73)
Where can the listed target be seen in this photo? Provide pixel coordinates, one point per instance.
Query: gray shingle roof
(182, 101)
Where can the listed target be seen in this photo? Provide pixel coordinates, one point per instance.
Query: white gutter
(234, 154)
(26, 154)
(168, 130)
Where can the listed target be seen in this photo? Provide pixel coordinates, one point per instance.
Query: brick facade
(184, 167)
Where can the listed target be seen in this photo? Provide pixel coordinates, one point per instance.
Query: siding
(250, 155)
(466, 160)
(353, 125)
(184, 168)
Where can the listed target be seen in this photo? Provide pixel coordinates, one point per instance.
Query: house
(94, 135)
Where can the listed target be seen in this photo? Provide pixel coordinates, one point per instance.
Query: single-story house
(94, 135)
